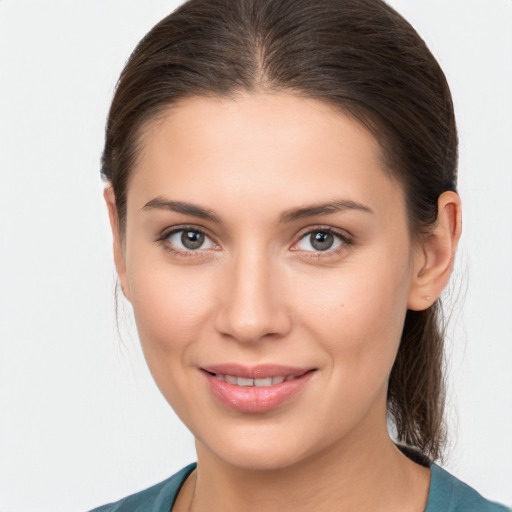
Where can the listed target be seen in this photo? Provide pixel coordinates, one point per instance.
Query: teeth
(263, 382)
(244, 382)
(231, 379)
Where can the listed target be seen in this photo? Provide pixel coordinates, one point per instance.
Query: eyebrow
(323, 209)
(181, 207)
(287, 216)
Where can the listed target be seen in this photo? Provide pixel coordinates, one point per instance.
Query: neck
(363, 473)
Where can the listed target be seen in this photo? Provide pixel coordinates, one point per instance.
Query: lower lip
(256, 399)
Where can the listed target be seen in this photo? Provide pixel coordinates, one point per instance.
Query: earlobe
(119, 258)
(436, 253)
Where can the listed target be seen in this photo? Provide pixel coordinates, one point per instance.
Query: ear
(119, 257)
(435, 254)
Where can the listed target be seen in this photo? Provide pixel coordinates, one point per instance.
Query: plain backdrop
(81, 422)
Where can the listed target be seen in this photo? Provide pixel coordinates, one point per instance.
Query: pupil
(192, 239)
(321, 240)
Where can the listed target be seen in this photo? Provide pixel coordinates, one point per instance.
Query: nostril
(251, 305)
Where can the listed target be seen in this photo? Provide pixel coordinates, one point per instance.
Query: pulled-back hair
(361, 57)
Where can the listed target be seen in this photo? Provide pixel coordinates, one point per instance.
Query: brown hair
(361, 57)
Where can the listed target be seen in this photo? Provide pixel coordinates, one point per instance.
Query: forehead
(274, 146)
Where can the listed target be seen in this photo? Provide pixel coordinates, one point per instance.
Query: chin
(260, 449)
(263, 459)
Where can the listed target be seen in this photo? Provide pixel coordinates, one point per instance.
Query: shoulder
(449, 494)
(158, 498)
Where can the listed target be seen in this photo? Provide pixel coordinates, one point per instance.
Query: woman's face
(268, 261)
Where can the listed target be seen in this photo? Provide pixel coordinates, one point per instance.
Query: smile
(255, 389)
(245, 382)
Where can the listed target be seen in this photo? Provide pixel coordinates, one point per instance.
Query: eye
(320, 240)
(188, 239)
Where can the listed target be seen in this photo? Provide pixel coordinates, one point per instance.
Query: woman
(281, 184)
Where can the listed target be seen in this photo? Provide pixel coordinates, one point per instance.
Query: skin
(259, 292)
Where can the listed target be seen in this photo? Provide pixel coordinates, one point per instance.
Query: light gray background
(81, 422)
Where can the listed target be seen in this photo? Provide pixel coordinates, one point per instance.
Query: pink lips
(247, 398)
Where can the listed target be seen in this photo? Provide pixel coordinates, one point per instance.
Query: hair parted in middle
(359, 56)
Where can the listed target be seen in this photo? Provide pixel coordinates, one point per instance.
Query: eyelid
(345, 237)
(163, 238)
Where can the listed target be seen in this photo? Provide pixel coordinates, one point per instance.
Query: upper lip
(261, 371)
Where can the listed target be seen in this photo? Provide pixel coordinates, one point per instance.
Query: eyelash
(164, 240)
(344, 238)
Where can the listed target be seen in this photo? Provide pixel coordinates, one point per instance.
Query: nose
(252, 301)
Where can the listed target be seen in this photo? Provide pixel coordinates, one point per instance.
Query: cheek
(171, 312)
(358, 316)
(171, 309)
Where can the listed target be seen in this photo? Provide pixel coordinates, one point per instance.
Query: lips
(243, 381)
(255, 389)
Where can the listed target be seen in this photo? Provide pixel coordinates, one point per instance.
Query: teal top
(447, 494)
